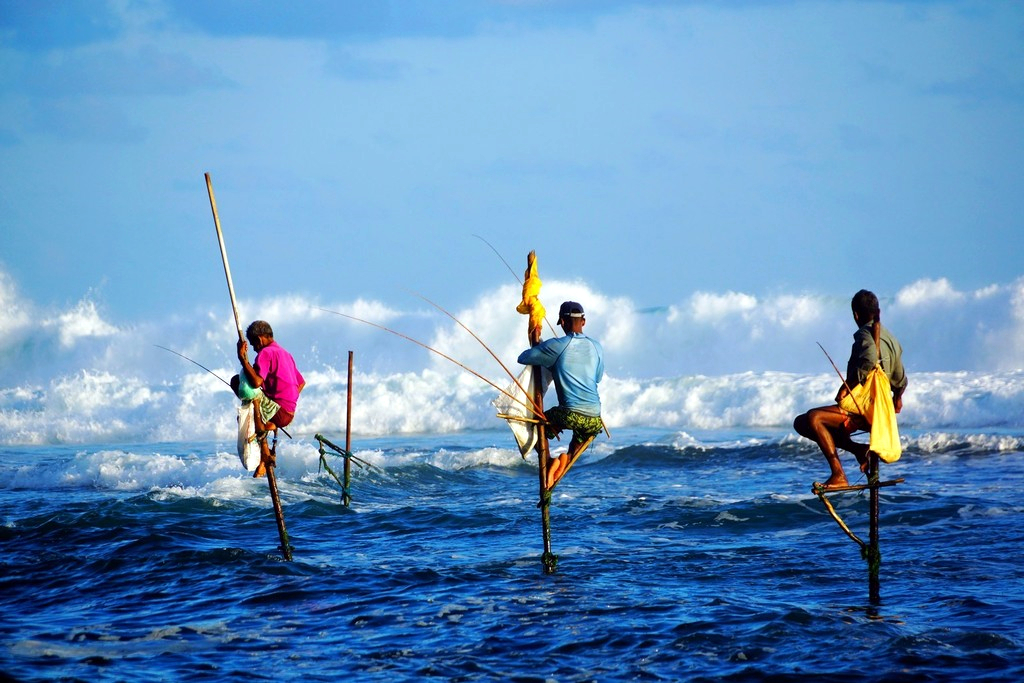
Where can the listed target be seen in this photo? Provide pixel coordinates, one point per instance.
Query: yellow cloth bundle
(873, 400)
(531, 305)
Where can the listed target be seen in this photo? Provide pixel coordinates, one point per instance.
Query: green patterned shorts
(583, 426)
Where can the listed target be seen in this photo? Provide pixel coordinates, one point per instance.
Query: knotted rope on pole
(340, 452)
(821, 491)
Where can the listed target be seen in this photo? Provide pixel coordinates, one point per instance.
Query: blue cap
(570, 309)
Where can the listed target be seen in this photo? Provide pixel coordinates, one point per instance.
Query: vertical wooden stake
(874, 557)
(345, 497)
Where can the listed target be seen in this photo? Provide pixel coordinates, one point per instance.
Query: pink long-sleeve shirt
(281, 379)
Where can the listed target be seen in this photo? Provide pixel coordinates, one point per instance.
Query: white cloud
(926, 292)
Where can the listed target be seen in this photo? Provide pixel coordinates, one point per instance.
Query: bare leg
(555, 468)
(269, 457)
(824, 426)
(556, 472)
(859, 450)
(266, 458)
(555, 464)
(263, 429)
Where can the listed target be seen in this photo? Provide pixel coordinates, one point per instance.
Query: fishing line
(212, 373)
(473, 334)
(515, 275)
(431, 349)
(843, 379)
(195, 363)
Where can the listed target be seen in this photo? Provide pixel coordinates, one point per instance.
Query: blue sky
(649, 149)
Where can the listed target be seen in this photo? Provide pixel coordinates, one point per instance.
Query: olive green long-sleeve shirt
(864, 355)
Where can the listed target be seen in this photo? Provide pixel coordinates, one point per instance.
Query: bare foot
(267, 459)
(554, 472)
(835, 482)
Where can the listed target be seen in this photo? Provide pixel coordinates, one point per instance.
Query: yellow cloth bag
(873, 400)
(531, 305)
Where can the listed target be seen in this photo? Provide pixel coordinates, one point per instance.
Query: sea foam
(716, 360)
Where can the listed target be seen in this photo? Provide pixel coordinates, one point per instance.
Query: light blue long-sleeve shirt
(576, 363)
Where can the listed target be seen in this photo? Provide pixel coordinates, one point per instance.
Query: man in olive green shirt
(830, 426)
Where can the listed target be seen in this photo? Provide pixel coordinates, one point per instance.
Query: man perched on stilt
(576, 363)
(275, 373)
(831, 426)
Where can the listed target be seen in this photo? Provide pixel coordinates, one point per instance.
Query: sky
(651, 150)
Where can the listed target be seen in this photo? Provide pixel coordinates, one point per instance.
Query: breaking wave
(713, 361)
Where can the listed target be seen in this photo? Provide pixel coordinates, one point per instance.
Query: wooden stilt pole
(874, 555)
(345, 497)
(870, 551)
(548, 558)
(530, 305)
(286, 548)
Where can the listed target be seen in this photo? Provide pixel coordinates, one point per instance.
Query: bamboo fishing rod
(275, 498)
(227, 383)
(514, 274)
(473, 334)
(843, 379)
(432, 350)
(181, 355)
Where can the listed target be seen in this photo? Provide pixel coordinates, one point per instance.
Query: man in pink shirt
(275, 373)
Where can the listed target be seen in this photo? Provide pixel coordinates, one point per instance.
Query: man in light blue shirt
(576, 363)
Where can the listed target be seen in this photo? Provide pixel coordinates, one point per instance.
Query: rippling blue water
(700, 558)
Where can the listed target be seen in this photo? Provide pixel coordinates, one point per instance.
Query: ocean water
(681, 556)
(134, 546)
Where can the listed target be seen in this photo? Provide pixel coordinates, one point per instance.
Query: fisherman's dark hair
(865, 305)
(259, 328)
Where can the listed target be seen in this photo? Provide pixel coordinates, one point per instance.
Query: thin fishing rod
(195, 363)
(212, 373)
(515, 275)
(428, 348)
(481, 341)
(514, 379)
(848, 389)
